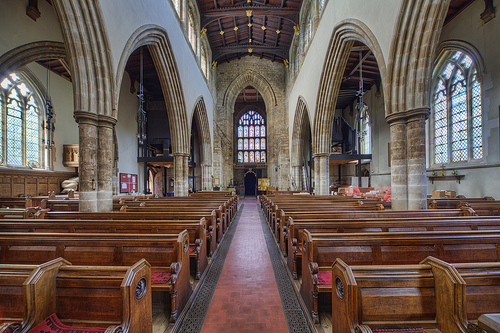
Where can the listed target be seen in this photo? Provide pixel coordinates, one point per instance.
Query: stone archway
(301, 126)
(156, 39)
(337, 55)
(201, 118)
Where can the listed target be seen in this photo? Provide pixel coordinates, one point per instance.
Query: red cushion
(52, 324)
(300, 248)
(324, 277)
(398, 330)
(191, 249)
(160, 277)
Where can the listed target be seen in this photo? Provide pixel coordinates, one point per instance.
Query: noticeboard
(128, 182)
(263, 183)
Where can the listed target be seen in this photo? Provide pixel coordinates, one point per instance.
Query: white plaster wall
(121, 20)
(126, 130)
(18, 29)
(66, 129)
(483, 177)
(379, 16)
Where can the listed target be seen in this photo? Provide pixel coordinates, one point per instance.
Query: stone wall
(270, 75)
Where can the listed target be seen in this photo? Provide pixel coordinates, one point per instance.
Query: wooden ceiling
(249, 95)
(260, 28)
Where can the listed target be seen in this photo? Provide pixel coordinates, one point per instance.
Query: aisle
(246, 298)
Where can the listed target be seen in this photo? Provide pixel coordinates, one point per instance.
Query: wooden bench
(296, 227)
(167, 254)
(386, 214)
(18, 213)
(450, 203)
(90, 296)
(71, 205)
(319, 251)
(432, 295)
(196, 230)
(16, 202)
(138, 216)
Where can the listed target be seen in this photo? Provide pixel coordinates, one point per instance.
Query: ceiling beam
(290, 14)
(222, 51)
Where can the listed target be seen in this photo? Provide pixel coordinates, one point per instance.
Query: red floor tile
(246, 298)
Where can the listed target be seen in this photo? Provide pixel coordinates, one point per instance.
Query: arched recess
(156, 39)
(249, 78)
(31, 52)
(301, 129)
(201, 118)
(338, 52)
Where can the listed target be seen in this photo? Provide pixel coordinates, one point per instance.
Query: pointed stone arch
(299, 129)
(249, 78)
(300, 126)
(343, 37)
(31, 52)
(157, 41)
(200, 116)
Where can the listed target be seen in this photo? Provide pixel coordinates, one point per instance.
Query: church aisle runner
(246, 298)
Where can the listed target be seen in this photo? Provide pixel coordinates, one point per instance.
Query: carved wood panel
(31, 183)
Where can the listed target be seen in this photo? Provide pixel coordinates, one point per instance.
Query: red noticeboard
(128, 182)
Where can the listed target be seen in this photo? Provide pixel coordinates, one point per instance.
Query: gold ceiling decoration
(221, 32)
(203, 32)
(278, 32)
(235, 29)
(250, 50)
(263, 28)
(249, 13)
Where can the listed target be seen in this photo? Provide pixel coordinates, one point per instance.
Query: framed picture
(216, 182)
(128, 182)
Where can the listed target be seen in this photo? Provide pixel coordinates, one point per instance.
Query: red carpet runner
(246, 298)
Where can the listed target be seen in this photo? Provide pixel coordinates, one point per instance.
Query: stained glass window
(457, 112)
(251, 138)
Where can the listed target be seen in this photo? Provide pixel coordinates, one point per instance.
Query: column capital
(321, 155)
(106, 121)
(180, 154)
(85, 117)
(407, 116)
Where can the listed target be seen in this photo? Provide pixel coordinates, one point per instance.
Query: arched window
(21, 122)
(251, 138)
(457, 116)
(192, 30)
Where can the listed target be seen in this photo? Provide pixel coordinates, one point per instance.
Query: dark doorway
(250, 184)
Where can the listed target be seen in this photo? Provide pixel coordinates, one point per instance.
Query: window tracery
(251, 138)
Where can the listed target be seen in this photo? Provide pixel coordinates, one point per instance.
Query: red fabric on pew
(160, 277)
(52, 325)
(324, 277)
(191, 249)
(398, 330)
(300, 248)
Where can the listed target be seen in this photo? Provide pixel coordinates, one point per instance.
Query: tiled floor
(246, 298)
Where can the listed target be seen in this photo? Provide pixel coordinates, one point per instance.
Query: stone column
(399, 189)
(416, 163)
(181, 170)
(87, 191)
(105, 164)
(297, 176)
(321, 173)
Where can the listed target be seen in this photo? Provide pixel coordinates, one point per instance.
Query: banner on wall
(263, 183)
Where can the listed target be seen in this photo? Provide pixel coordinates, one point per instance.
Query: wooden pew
(115, 298)
(167, 254)
(296, 227)
(450, 203)
(18, 213)
(16, 202)
(490, 208)
(434, 295)
(31, 293)
(389, 248)
(138, 216)
(71, 205)
(386, 214)
(196, 230)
